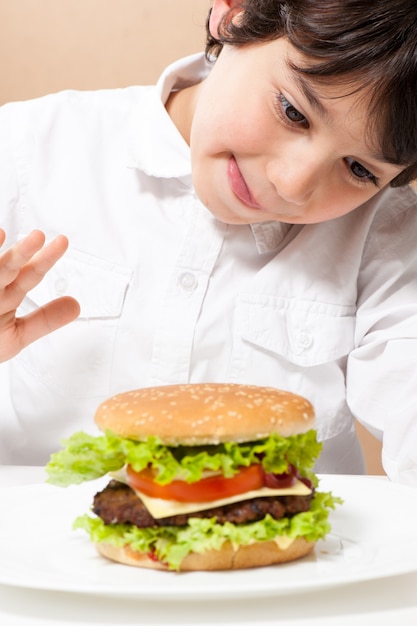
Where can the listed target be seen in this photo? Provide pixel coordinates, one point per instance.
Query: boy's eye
(359, 171)
(291, 113)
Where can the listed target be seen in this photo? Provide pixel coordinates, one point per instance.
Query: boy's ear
(218, 10)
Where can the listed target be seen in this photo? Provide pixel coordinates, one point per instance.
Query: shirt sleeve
(382, 369)
(9, 191)
(9, 195)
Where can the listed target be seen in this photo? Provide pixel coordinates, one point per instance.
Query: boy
(246, 220)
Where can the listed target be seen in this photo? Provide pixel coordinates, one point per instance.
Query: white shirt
(169, 294)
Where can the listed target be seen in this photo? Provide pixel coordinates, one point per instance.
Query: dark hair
(371, 45)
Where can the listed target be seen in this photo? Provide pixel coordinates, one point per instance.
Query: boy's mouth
(239, 186)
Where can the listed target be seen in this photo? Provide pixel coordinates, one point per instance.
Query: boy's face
(266, 147)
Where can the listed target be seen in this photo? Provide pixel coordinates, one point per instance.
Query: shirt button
(304, 340)
(188, 281)
(61, 285)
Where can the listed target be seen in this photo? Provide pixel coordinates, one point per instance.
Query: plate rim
(199, 590)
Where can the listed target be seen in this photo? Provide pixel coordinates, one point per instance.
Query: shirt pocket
(98, 285)
(76, 360)
(305, 333)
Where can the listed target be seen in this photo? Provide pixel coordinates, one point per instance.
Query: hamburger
(201, 477)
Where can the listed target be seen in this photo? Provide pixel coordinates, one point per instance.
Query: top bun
(207, 413)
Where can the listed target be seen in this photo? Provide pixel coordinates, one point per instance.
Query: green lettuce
(171, 544)
(86, 457)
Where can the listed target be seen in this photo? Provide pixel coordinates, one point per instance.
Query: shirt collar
(270, 236)
(158, 149)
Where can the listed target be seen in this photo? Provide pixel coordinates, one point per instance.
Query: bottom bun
(257, 554)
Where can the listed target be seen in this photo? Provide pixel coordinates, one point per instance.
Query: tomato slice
(205, 490)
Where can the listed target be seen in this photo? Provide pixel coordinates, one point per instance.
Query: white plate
(373, 536)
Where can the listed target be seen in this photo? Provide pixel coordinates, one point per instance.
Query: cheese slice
(159, 508)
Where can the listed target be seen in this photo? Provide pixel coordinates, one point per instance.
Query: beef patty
(119, 504)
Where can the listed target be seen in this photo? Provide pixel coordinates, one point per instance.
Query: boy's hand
(22, 267)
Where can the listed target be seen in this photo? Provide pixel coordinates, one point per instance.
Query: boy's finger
(17, 278)
(13, 259)
(45, 320)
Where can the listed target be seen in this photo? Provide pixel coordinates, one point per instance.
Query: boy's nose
(295, 176)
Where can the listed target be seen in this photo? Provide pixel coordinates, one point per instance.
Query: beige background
(49, 45)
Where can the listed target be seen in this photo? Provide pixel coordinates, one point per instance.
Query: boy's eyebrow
(321, 110)
(311, 96)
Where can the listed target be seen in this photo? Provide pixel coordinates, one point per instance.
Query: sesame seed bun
(258, 554)
(207, 413)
